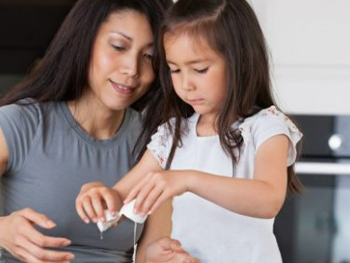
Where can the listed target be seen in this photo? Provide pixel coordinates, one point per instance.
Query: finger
(113, 202)
(161, 199)
(134, 192)
(142, 196)
(176, 246)
(45, 254)
(37, 218)
(81, 211)
(98, 206)
(89, 209)
(39, 239)
(183, 258)
(152, 197)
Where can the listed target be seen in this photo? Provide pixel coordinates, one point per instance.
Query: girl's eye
(201, 71)
(174, 71)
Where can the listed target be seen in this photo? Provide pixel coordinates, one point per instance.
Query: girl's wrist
(192, 178)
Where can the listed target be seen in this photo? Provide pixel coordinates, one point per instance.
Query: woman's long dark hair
(62, 74)
(231, 28)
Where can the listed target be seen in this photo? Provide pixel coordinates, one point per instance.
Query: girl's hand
(157, 187)
(19, 237)
(93, 199)
(166, 250)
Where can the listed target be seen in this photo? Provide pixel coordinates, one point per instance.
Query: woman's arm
(4, 153)
(157, 226)
(261, 197)
(155, 245)
(18, 235)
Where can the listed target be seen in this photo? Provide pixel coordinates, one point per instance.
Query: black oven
(314, 227)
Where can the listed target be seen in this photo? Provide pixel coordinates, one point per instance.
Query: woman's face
(121, 65)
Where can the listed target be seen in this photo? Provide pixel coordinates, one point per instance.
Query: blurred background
(309, 44)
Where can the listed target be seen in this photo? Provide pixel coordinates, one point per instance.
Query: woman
(70, 122)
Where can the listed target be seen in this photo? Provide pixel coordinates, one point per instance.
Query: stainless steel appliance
(315, 227)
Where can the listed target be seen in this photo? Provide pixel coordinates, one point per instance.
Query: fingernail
(113, 213)
(67, 242)
(102, 219)
(50, 223)
(70, 257)
(95, 219)
(150, 213)
(87, 221)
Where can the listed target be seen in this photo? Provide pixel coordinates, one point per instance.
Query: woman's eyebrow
(151, 43)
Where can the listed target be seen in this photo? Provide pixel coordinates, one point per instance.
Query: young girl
(225, 150)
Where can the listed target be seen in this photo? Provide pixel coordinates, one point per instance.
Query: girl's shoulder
(267, 123)
(268, 116)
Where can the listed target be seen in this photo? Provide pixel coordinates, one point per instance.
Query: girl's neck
(206, 126)
(95, 118)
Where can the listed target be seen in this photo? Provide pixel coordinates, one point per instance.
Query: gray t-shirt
(50, 158)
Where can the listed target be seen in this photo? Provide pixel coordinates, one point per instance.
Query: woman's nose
(130, 67)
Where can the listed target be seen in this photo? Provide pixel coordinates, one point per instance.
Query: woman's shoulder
(21, 110)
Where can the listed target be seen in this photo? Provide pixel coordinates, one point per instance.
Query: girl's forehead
(185, 39)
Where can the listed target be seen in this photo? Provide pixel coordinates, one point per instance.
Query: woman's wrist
(2, 218)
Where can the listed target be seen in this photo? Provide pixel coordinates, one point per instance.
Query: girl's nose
(187, 85)
(188, 88)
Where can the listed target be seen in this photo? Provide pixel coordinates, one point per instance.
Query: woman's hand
(157, 187)
(166, 250)
(93, 199)
(19, 237)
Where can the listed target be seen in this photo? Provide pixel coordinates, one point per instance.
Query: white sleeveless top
(206, 230)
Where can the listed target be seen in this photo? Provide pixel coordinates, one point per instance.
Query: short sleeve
(160, 144)
(271, 122)
(19, 124)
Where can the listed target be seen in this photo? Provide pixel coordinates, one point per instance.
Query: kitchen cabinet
(309, 42)
(26, 29)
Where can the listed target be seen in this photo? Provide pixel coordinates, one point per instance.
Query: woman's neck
(95, 118)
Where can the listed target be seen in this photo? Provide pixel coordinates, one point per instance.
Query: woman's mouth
(120, 88)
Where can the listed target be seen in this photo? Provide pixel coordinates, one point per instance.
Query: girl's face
(121, 65)
(198, 73)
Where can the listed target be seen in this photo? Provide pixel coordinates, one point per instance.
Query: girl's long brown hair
(231, 28)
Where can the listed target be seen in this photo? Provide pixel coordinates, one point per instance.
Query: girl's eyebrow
(195, 61)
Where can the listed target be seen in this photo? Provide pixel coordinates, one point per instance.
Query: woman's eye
(149, 56)
(118, 48)
(201, 71)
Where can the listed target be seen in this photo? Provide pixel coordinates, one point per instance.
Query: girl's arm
(95, 197)
(261, 197)
(155, 245)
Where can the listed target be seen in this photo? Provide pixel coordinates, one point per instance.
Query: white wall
(310, 45)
